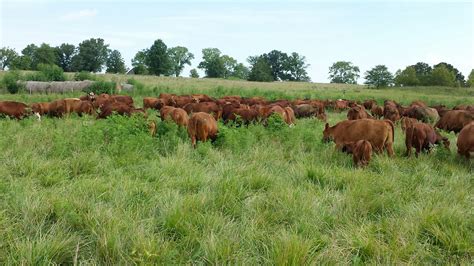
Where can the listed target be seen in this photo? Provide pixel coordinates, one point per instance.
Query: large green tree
(470, 79)
(423, 73)
(212, 63)
(260, 69)
(44, 54)
(379, 76)
(278, 63)
(139, 63)
(115, 63)
(193, 73)
(64, 54)
(459, 76)
(158, 60)
(344, 72)
(295, 67)
(7, 56)
(240, 71)
(179, 56)
(91, 56)
(442, 76)
(407, 77)
(229, 65)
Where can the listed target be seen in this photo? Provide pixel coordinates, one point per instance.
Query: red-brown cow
(14, 109)
(422, 137)
(465, 141)
(361, 152)
(202, 127)
(455, 120)
(178, 115)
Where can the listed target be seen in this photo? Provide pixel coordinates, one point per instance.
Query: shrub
(10, 82)
(84, 75)
(47, 73)
(99, 87)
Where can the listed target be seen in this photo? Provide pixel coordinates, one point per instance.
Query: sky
(367, 33)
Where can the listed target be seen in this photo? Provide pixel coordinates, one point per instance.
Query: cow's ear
(326, 126)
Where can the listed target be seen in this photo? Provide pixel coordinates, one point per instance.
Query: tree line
(94, 55)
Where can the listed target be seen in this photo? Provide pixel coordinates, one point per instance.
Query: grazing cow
(361, 152)
(201, 127)
(246, 115)
(104, 99)
(14, 109)
(167, 98)
(422, 137)
(464, 107)
(119, 108)
(40, 109)
(391, 113)
(289, 117)
(199, 98)
(178, 115)
(181, 101)
(455, 120)
(151, 102)
(340, 105)
(62, 107)
(418, 103)
(83, 107)
(305, 110)
(407, 122)
(88, 97)
(357, 112)
(380, 133)
(441, 109)
(206, 107)
(465, 141)
(377, 111)
(369, 104)
(424, 114)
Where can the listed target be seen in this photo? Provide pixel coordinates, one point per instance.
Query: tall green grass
(105, 192)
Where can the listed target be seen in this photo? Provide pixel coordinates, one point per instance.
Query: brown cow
(369, 104)
(377, 111)
(40, 108)
(357, 112)
(83, 107)
(391, 113)
(201, 127)
(380, 133)
(150, 102)
(13, 109)
(119, 108)
(465, 141)
(246, 115)
(424, 114)
(361, 152)
(407, 122)
(422, 136)
(104, 99)
(289, 117)
(181, 101)
(455, 120)
(62, 107)
(305, 110)
(88, 97)
(418, 103)
(178, 115)
(206, 107)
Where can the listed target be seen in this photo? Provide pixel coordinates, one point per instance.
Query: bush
(47, 73)
(99, 87)
(84, 75)
(10, 82)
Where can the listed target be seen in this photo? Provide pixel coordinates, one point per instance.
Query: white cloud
(77, 15)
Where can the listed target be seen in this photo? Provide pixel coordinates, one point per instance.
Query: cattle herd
(360, 134)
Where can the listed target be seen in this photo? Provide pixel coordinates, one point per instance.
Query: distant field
(105, 192)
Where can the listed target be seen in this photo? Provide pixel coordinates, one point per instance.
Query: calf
(361, 152)
(202, 127)
(465, 141)
(178, 115)
(422, 137)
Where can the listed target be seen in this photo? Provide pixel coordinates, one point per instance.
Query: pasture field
(81, 190)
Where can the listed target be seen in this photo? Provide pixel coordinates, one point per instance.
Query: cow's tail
(393, 129)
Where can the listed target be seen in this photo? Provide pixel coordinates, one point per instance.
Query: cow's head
(327, 133)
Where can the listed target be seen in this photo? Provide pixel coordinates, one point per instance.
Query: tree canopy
(379, 76)
(343, 72)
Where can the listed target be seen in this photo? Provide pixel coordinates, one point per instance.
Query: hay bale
(57, 86)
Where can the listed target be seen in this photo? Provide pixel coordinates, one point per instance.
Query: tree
(115, 63)
(379, 76)
(212, 63)
(344, 72)
(423, 73)
(64, 54)
(45, 54)
(277, 60)
(407, 77)
(25, 61)
(139, 63)
(261, 69)
(240, 71)
(442, 76)
(459, 76)
(193, 73)
(158, 60)
(229, 65)
(470, 79)
(295, 67)
(7, 56)
(91, 56)
(179, 56)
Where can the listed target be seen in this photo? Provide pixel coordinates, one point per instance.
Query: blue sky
(367, 33)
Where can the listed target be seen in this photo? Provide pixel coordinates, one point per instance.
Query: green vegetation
(100, 86)
(10, 82)
(344, 72)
